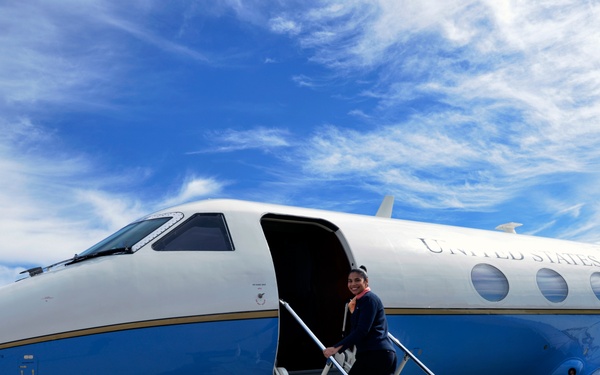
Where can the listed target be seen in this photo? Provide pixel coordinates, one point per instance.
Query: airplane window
(552, 285)
(489, 282)
(201, 232)
(133, 236)
(595, 281)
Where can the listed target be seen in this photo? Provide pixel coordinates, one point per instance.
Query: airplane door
(311, 264)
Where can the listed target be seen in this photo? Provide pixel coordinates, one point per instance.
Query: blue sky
(471, 113)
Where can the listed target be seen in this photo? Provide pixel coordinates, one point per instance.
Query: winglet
(385, 209)
(508, 227)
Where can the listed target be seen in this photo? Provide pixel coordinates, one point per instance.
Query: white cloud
(194, 188)
(427, 169)
(74, 53)
(304, 81)
(46, 217)
(256, 138)
(284, 26)
(151, 38)
(108, 210)
(536, 57)
(50, 59)
(514, 91)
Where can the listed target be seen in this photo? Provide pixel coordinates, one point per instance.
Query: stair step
(333, 371)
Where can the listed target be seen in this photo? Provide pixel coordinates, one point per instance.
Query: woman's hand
(328, 352)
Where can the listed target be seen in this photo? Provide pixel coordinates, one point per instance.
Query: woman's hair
(362, 271)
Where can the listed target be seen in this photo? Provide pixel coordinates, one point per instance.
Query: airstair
(343, 361)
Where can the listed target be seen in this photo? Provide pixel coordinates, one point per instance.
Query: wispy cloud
(442, 175)
(194, 188)
(285, 26)
(152, 38)
(257, 138)
(41, 207)
(513, 95)
(306, 81)
(41, 66)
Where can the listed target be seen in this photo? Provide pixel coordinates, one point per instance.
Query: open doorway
(311, 266)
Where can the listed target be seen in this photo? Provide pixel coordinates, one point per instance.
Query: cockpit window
(135, 235)
(201, 232)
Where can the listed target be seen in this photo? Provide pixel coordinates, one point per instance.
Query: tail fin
(385, 209)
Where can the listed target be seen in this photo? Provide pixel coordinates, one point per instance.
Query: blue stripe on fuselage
(493, 344)
(216, 348)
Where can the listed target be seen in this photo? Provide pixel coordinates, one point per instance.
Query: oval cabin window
(595, 282)
(489, 282)
(552, 285)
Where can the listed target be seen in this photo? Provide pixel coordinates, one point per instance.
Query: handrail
(409, 353)
(312, 335)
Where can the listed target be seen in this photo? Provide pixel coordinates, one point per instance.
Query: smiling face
(357, 283)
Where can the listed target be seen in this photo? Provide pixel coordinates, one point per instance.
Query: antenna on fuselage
(508, 227)
(385, 209)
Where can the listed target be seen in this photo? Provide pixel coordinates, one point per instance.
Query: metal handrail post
(326, 368)
(312, 335)
(405, 359)
(409, 353)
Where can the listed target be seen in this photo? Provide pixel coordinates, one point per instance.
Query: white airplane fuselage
(187, 299)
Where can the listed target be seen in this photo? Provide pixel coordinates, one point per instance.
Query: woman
(375, 354)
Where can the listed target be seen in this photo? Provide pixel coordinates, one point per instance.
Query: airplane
(204, 288)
